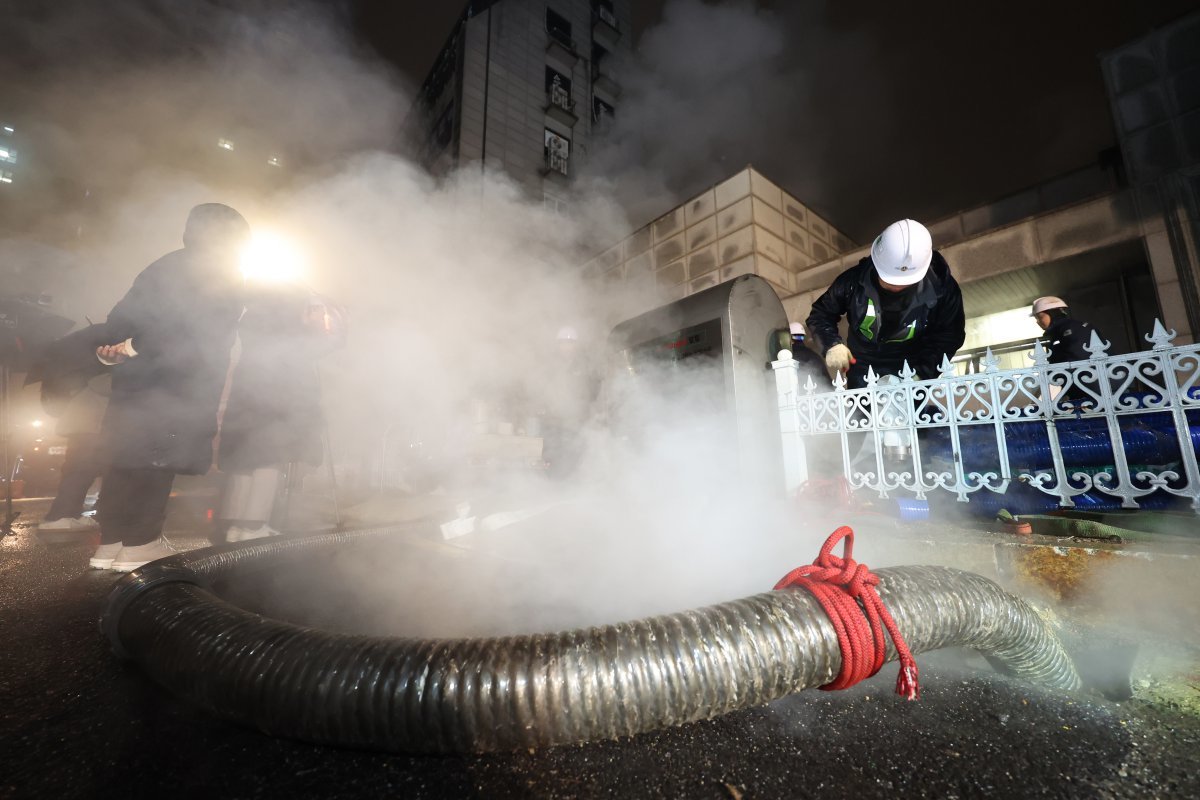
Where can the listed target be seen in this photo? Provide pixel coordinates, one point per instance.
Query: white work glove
(839, 358)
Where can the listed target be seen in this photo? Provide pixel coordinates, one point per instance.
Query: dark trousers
(133, 505)
(84, 463)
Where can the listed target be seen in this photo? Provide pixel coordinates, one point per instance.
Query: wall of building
(505, 96)
(742, 225)
(1154, 88)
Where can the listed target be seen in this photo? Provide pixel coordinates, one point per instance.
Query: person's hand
(839, 358)
(112, 354)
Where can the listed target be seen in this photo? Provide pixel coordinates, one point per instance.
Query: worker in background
(1065, 339)
(901, 304)
(567, 399)
(75, 391)
(811, 364)
(273, 417)
(170, 338)
(79, 423)
(1065, 336)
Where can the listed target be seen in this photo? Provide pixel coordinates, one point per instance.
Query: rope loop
(846, 591)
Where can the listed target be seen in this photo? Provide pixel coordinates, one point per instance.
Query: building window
(559, 29)
(601, 111)
(599, 54)
(558, 152)
(6, 177)
(443, 131)
(558, 89)
(8, 154)
(554, 204)
(441, 74)
(603, 9)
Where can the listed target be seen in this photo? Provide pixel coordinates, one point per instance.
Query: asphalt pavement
(77, 722)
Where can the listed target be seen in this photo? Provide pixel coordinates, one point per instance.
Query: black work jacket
(929, 327)
(1065, 339)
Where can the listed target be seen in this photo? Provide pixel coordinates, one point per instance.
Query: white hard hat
(796, 328)
(1046, 303)
(567, 333)
(902, 253)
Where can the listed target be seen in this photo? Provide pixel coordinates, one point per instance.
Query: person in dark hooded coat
(273, 415)
(169, 354)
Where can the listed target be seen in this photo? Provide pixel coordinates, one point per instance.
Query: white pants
(250, 496)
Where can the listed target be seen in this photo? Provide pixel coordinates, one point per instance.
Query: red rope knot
(846, 591)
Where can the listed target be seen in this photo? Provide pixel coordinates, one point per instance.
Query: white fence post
(787, 386)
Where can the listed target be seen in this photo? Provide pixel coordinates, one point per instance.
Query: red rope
(846, 590)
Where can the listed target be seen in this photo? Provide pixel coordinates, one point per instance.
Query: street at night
(599, 398)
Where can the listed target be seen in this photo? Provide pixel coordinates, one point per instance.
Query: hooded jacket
(929, 326)
(180, 315)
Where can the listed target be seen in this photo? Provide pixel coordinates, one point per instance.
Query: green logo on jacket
(867, 326)
(912, 331)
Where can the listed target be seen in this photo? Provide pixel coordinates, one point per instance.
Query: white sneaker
(239, 534)
(70, 524)
(104, 555)
(130, 558)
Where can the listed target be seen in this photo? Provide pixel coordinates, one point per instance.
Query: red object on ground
(828, 492)
(1019, 528)
(840, 585)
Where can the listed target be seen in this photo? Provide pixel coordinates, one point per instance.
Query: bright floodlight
(271, 257)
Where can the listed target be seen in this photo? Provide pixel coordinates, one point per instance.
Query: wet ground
(75, 722)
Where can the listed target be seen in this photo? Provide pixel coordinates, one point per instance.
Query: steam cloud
(454, 289)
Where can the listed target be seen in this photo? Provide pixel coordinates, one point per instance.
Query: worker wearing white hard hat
(1065, 335)
(901, 304)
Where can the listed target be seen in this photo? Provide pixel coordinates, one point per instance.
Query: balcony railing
(560, 106)
(1111, 431)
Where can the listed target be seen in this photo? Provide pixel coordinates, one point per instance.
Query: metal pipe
(502, 693)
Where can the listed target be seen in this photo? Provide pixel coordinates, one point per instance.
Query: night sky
(878, 109)
(925, 108)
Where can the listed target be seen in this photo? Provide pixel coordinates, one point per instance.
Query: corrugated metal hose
(508, 692)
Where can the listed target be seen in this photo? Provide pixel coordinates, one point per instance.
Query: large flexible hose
(458, 695)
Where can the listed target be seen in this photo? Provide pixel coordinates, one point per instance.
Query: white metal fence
(1118, 430)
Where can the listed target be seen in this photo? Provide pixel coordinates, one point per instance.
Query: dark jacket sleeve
(827, 311)
(136, 313)
(945, 333)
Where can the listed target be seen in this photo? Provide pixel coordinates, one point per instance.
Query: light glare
(270, 257)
